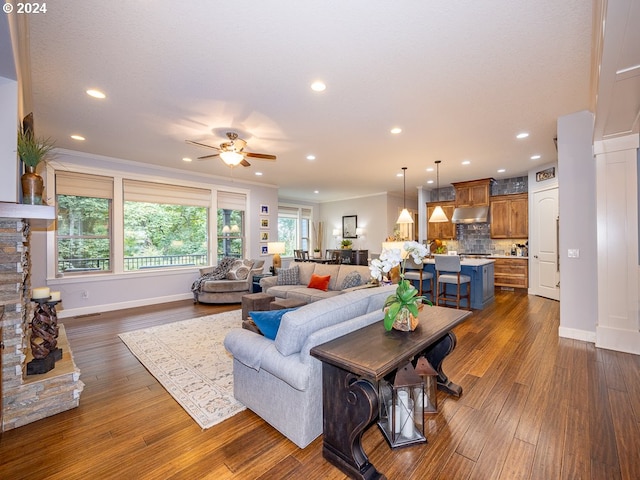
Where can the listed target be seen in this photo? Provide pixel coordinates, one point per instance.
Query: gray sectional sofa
(300, 291)
(278, 379)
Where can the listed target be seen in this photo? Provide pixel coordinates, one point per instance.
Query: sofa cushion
(345, 270)
(310, 295)
(306, 270)
(289, 276)
(269, 321)
(320, 282)
(353, 279)
(327, 269)
(223, 286)
(296, 326)
(240, 270)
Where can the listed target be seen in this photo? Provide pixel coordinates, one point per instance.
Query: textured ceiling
(460, 78)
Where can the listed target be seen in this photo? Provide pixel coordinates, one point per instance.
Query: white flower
(394, 257)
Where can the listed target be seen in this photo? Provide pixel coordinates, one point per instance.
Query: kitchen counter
(507, 256)
(471, 262)
(481, 271)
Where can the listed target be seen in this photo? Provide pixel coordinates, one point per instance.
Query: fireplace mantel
(32, 212)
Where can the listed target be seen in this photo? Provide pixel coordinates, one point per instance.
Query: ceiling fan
(232, 152)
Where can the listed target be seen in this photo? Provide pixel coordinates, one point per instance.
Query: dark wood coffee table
(353, 364)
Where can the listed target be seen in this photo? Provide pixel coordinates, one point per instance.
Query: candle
(55, 296)
(405, 406)
(394, 417)
(40, 292)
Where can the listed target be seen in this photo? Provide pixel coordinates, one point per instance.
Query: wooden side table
(353, 364)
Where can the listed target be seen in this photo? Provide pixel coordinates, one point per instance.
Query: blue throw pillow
(269, 321)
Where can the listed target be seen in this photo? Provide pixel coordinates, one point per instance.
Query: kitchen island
(481, 271)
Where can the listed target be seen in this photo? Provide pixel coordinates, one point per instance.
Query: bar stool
(448, 272)
(414, 272)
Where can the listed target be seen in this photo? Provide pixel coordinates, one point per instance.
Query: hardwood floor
(534, 406)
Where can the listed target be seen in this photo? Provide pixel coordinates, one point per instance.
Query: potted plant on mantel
(32, 151)
(346, 244)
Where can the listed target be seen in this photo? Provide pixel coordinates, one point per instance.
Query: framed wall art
(264, 236)
(264, 249)
(264, 222)
(264, 209)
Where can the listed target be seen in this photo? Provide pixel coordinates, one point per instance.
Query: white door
(544, 278)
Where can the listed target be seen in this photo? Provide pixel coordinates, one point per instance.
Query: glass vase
(405, 320)
(32, 187)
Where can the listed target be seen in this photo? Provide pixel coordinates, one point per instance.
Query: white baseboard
(619, 340)
(574, 333)
(119, 306)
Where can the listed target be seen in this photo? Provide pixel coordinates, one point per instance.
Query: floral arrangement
(406, 296)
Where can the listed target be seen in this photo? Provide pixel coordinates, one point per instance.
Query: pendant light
(438, 215)
(405, 216)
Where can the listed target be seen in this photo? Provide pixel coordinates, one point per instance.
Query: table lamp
(275, 249)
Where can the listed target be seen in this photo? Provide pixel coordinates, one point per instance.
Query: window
(164, 225)
(294, 228)
(230, 229)
(159, 225)
(83, 233)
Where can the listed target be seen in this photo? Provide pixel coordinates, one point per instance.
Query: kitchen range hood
(471, 215)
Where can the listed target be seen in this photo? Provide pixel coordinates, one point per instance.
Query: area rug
(190, 361)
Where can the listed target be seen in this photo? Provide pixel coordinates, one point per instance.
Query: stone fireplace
(27, 398)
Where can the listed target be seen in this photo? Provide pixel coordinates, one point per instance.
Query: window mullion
(117, 224)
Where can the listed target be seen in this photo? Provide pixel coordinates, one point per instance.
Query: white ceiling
(461, 78)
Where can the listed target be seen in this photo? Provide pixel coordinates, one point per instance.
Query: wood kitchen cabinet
(511, 272)
(441, 230)
(510, 216)
(474, 193)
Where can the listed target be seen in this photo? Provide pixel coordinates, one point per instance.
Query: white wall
(8, 139)
(377, 215)
(618, 271)
(577, 198)
(112, 292)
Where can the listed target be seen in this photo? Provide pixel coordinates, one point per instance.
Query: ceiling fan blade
(244, 163)
(262, 156)
(201, 144)
(208, 156)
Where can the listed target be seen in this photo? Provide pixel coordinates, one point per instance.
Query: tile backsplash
(476, 237)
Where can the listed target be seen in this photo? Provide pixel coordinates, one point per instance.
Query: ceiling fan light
(405, 217)
(231, 158)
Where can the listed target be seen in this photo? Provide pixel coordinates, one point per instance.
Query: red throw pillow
(320, 282)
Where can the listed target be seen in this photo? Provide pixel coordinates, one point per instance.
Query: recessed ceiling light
(535, 157)
(96, 93)
(502, 170)
(316, 191)
(258, 174)
(396, 130)
(311, 157)
(466, 162)
(318, 86)
(399, 175)
(430, 169)
(429, 181)
(186, 159)
(522, 135)
(78, 137)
